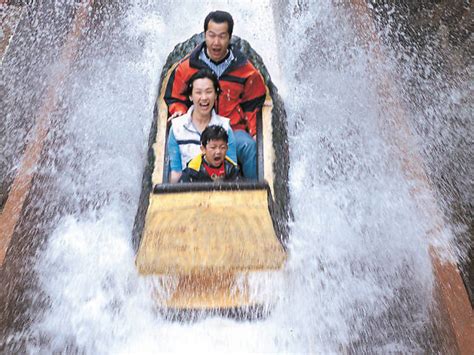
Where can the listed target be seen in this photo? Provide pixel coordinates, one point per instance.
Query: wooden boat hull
(200, 243)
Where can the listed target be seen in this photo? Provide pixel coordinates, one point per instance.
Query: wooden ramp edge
(20, 187)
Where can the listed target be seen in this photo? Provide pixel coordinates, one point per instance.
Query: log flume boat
(199, 243)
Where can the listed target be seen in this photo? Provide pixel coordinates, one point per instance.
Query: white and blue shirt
(217, 68)
(184, 140)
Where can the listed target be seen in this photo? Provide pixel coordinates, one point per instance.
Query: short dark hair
(201, 74)
(220, 17)
(213, 133)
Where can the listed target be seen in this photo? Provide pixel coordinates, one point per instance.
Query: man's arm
(253, 99)
(176, 101)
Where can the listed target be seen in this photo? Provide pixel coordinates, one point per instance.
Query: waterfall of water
(359, 275)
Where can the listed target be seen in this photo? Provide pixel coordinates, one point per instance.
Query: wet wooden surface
(209, 231)
(205, 240)
(205, 291)
(9, 18)
(26, 218)
(21, 185)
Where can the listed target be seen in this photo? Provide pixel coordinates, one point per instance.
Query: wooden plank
(455, 302)
(203, 291)
(10, 16)
(213, 231)
(268, 149)
(21, 185)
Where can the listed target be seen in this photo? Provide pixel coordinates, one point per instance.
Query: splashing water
(359, 275)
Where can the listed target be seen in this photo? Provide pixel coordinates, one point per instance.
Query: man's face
(214, 152)
(217, 40)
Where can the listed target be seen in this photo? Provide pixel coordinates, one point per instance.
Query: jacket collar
(239, 58)
(188, 124)
(196, 164)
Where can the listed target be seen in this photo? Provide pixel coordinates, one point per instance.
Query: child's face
(215, 151)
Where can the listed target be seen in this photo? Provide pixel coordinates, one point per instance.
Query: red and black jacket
(242, 89)
(195, 171)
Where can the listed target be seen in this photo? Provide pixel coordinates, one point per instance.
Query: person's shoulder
(184, 63)
(183, 66)
(223, 120)
(248, 65)
(232, 170)
(180, 120)
(241, 57)
(238, 54)
(195, 163)
(242, 65)
(217, 119)
(191, 60)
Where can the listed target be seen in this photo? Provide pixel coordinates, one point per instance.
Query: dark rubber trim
(210, 186)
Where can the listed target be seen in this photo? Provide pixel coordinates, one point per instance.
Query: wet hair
(220, 17)
(213, 133)
(201, 74)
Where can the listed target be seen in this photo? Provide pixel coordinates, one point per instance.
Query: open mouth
(216, 52)
(204, 106)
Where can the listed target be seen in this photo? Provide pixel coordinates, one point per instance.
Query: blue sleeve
(232, 151)
(174, 153)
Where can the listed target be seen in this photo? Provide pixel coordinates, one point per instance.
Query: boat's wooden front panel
(209, 231)
(203, 291)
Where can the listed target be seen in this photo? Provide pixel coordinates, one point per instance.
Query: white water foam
(359, 274)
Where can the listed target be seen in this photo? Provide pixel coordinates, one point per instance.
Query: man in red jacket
(242, 91)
